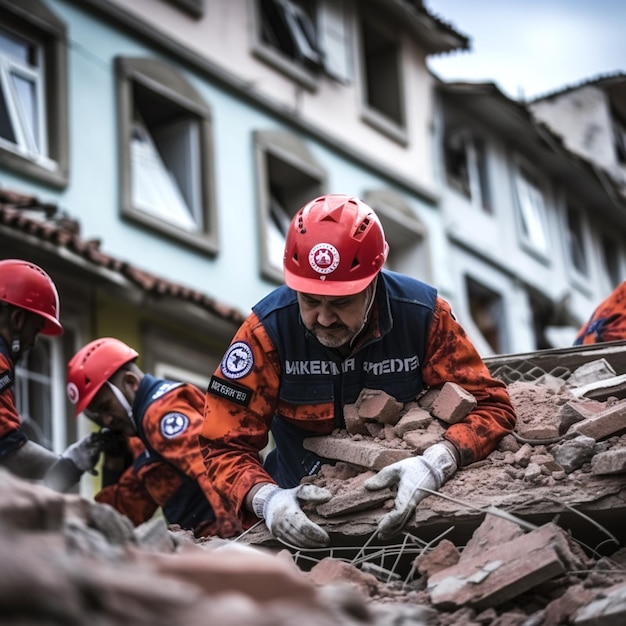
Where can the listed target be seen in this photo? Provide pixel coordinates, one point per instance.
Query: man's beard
(333, 339)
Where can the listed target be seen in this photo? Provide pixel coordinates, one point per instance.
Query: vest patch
(6, 380)
(173, 425)
(229, 390)
(238, 360)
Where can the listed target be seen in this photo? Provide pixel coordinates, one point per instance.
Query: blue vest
(313, 374)
(188, 506)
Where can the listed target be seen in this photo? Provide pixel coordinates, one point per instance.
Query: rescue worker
(29, 306)
(159, 421)
(608, 321)
(341, 324)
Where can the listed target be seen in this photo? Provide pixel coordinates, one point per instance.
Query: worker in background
(608, 321)
(29, 306)
(341, 324)
(155, 460)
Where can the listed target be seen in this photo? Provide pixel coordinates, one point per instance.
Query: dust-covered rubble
(531, 536)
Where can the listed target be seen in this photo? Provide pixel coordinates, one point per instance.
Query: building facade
(152, 153)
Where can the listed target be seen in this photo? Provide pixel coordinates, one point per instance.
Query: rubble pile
(531, 536)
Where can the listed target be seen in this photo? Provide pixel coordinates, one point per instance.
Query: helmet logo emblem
(324, 258)
(72, 392)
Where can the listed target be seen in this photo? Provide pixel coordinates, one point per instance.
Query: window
(166, 153)
(532, 212)
(288, 26)
(33, 92)
(406, 235)
(466, 167)
(381, 76)
(288, 177)
(576, 240)
(487, 311)
(302, 38)
(286, 37)
(611, 261)
(619, 137)
(40, 396)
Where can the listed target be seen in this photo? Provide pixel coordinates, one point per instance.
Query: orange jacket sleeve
(183, 453)
(451, 357)
(608, 321)
(232, 435)
(130, 495)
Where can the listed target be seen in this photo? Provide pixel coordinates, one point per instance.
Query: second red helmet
(92, 366)
(335, 247)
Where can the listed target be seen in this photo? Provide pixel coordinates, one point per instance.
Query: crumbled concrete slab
(367, 454)
(609, 462)
(502, 572)
(605, 424)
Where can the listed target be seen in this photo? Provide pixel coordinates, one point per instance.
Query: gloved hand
(112, 442)
(285, 519)
(85, 453)
(431, 470)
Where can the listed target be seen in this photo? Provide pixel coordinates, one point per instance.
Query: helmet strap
(121, 398)
(371, 295)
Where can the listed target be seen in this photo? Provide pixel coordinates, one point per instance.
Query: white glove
(280, 508)
(431, 470)
(85, 453)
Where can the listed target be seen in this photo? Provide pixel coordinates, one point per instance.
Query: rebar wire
(424, 549)
(403, 549)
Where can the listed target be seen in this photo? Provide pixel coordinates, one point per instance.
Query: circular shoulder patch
(174, 424)
(238, 360)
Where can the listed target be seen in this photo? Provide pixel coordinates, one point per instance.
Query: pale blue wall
(92, 195)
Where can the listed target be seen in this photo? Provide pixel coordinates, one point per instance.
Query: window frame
(167, 84)
(395, 129)
(524, 173)
(296, 155)
(576, 240)
(475, 152)
(35, 22)
(306, 76)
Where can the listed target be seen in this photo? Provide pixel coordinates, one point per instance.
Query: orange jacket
(608, 321)
(236, 429)
(166, 454)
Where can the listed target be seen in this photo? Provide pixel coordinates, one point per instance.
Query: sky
(532, 47)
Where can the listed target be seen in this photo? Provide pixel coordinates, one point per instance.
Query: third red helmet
(92, 366)
(335, 247)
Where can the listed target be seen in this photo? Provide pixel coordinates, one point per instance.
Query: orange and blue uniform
(608, 321)
(276, 376)
(167, 469)
(12, 437)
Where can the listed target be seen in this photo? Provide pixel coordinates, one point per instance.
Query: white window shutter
(334, 40)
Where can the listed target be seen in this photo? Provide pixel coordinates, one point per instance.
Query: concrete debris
(530, 536)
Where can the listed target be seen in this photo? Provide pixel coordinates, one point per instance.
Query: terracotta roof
(16, 213)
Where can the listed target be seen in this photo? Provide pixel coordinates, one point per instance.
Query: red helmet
(27, 286)
(335, 247)
(92, 366)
